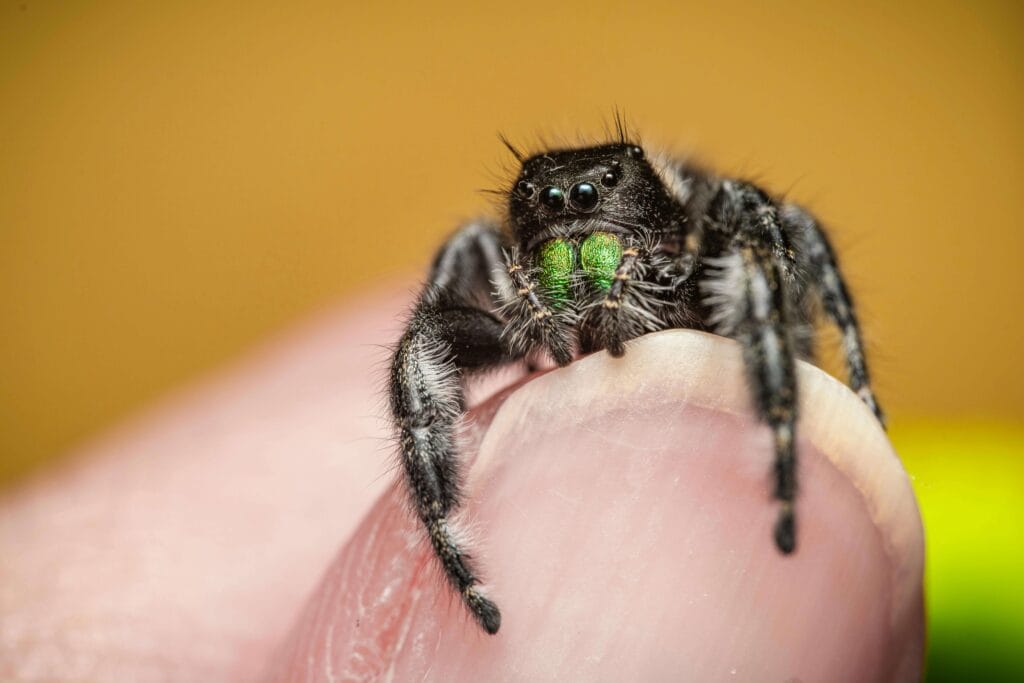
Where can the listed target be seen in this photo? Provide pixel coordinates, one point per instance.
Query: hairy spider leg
(750, 302)
(828, 281)
(451, 332)
(693, 190)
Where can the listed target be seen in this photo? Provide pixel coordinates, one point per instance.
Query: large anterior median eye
(600, 254)
(553, 198)
(557, 261)
(583, 197)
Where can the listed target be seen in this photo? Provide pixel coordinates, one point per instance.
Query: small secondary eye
(553, 198)
(525, 189)
(583, 196)
(612, 175)
(635, 152)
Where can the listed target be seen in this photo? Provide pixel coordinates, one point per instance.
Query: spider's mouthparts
(597, 256)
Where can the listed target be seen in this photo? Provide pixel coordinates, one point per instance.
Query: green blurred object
(969, 479)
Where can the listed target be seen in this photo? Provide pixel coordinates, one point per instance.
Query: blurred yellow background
(179, 179)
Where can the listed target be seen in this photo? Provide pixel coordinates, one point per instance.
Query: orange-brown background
(177, 180)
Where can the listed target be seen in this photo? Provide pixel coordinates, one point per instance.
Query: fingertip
(622, 505)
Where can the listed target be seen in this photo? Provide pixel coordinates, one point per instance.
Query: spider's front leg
(451, 332)
(747, 290)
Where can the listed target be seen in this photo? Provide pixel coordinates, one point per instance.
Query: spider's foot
(561, 354)
(485, 611)
(617, 349)
(785, 530)
(868, 397)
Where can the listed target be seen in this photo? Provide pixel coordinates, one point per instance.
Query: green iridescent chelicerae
(600, 254)
(598, 257)
(557, 262)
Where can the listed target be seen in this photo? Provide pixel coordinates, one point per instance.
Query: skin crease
(622, 510)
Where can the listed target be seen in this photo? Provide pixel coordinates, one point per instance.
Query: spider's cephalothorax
(600, 245)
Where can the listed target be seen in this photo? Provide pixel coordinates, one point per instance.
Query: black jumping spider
(599, 245)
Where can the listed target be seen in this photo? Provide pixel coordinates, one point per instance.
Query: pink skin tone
(250, 529)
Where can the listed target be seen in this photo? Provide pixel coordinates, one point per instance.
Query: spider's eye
(553, 198)
(612, 175)
(583, 196)
(525, 189)
(634, 152)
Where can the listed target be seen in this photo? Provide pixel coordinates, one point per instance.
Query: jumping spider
(599, 245)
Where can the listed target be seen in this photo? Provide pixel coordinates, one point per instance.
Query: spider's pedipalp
(631, 306)
(535, 321)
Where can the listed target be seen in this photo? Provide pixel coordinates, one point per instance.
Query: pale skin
(250, 528)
